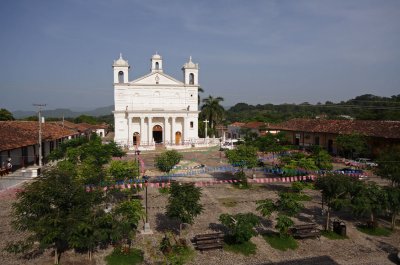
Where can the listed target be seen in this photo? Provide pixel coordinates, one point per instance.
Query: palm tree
(212, 110)
(199, 90)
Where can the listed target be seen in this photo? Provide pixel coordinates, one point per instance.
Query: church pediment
(156, 78)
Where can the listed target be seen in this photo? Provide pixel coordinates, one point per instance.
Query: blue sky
(61, 52)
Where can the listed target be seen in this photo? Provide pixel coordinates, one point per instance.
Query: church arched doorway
(157, 134)
(136, 139)
(178, 136)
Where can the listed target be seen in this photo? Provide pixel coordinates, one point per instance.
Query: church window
(191, 79)
(120, 77)
(157, 66)
(191, 124)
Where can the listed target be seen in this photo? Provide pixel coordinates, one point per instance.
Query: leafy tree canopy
(243, 156)
(167, 160)
(240, 225)
(184, 202)
(5, 115)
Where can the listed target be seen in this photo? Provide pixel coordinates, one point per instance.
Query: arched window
(157, 66)
(191, 79)
(191, 124)
(120, 77)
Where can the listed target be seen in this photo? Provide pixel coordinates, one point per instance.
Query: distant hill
(67, 113)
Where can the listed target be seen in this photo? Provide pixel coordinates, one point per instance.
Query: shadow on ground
(164, 224)
(321, 260)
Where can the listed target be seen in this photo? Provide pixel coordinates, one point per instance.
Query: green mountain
(67, 113)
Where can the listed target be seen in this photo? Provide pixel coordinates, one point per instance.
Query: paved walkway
(15, 178)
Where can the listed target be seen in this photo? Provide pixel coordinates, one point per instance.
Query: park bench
(208, 241)
(305, 231)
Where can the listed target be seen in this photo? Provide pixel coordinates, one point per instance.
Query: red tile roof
(15, 134)
(373, 128)
(254, 124)
(237, 124)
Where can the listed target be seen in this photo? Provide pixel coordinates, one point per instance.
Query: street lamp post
(220, 150)
(40, 131)
(146, 229)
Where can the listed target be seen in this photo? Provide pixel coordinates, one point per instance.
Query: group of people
(7, 166)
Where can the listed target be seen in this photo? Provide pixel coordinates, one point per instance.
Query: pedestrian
(9, 166)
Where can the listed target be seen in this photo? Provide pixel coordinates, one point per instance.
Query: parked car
(349, 170)
(367, 162)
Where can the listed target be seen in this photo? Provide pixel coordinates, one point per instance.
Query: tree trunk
(372, 218)
(328, 217)
(56, 256)
(393, 224)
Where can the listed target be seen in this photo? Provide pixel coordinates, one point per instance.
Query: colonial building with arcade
(155, 108)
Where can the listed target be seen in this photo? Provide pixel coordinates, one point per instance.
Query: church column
(185, 129)
(167, 131)
(173, 130)
(150, 130)
(128, 139)
(141, 130)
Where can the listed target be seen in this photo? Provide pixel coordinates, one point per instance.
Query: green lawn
(135, 256)
(332, 235)
(247, 248)
(180, 255)
(378, 231)
(282, 243)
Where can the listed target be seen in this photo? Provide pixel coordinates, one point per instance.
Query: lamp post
(220, 150)
(40, 131)
(146, 229)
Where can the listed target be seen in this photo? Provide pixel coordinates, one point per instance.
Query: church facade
(155, 108)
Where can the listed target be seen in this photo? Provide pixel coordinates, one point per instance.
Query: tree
(368, 199)
(351, 144)
(127, 215)
(123, 170)
(212, 110)
(287, 206)
(86, 119)
(389, 165)
(322, 159)
(51, 208)
(266, 207)
(184, 202)
(334, 189)
(393, 203)
(199, 90)
(240, 226)
(5, 115)
(166, 161)
(270, 142)
(243, 157)
(283, 222)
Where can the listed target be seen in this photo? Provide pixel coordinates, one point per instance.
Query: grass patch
(332, 235)
(303, 197)
(119, 257)
(180, 255)
(164, 190)
(228, 202)
(247, 248)
(378, 231)
(282, 243)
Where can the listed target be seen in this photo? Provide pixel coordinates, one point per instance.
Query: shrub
(240, 226)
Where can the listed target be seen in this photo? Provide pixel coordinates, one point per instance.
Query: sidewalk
(15, 178)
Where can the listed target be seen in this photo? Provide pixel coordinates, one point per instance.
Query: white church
(156, 108)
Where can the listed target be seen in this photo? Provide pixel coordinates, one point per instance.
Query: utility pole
(40, 130)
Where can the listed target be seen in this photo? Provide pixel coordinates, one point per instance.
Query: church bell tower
(191, 73)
